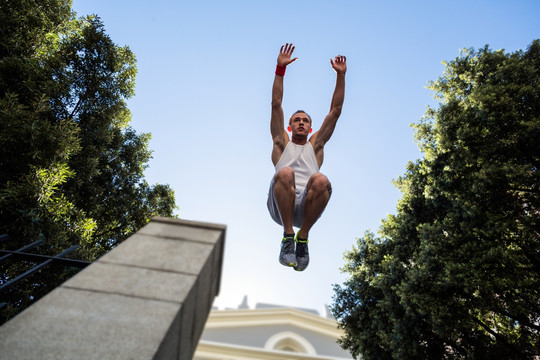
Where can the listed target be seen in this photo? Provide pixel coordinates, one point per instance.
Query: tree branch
(500, 338)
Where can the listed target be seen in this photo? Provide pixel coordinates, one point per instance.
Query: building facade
(269, 332)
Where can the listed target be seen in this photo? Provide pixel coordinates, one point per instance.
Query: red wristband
(280, 70)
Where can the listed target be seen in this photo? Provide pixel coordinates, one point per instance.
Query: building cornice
(277, 316)
(209, 350)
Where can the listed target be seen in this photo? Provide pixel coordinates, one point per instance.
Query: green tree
(71, 167)
(99, 76)
(456, 273)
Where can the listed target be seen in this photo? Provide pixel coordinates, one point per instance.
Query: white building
(269, 332)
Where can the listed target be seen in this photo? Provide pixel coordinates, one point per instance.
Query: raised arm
(321, 137)
(277, 121)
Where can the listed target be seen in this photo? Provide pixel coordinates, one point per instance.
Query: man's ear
(289, 129)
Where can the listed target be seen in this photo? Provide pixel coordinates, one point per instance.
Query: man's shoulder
(316, 142)
(280, 143)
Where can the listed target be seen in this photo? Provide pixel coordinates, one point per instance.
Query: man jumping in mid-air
(298, 191)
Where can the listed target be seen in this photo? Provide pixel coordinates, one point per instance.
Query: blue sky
(205, 71)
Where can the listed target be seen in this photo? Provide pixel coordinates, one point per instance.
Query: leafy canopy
(456, 272)
(71, 167)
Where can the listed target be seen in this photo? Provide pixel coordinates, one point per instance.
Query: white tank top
(301, 158)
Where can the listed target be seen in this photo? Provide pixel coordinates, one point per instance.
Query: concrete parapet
(148, 298)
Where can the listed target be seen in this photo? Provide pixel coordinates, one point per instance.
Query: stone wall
(148, 298)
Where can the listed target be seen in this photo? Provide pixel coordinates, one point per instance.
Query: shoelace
(301, 249)
(288, 245)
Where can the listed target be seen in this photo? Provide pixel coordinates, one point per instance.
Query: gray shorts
(299, 205)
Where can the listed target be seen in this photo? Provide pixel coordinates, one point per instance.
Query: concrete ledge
(148, 298)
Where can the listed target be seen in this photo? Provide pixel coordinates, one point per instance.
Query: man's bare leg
(285, 195)
(318, 195)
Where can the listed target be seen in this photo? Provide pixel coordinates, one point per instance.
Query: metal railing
(40, 261)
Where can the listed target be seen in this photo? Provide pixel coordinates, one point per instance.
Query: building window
(290, 345)
(290, 341)
(288, 348)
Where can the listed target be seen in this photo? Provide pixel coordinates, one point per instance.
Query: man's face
(300, 124)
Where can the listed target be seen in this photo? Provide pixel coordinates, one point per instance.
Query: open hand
(339, 64)
(284, 57)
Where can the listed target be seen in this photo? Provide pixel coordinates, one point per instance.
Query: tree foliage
(456, 273)
(71, 167)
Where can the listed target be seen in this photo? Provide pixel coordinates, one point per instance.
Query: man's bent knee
(319, 183)
(285, 174)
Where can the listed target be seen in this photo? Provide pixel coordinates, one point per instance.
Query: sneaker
(286, 255)
(302, 255)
